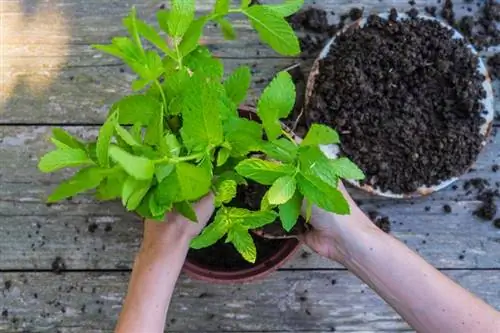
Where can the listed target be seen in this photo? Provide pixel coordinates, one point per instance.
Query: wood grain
(307, 302)
(32, 234)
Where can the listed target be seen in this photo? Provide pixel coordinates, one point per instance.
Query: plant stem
(289, 137)
(175, 160)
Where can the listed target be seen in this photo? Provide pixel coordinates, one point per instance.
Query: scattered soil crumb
(93, 227)
(447, 209)
(427, 208)
(447, 12)
(496, 223)
(494, 66)
(488, 208)
(432, 10)
(495, 167)
(380, 221)
(355, 13)
(412, 2)
(58, 265)
(108, 228)
(461, 257)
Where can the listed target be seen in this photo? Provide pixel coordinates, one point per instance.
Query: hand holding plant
(183, 136)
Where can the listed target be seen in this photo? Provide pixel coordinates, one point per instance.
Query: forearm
(428, 300)
(155, 272)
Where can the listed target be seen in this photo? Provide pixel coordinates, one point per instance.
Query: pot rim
(487, 114)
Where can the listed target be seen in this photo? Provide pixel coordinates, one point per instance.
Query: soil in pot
(224, 257)
(405, 98)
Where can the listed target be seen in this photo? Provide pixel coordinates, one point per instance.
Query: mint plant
(182, 136)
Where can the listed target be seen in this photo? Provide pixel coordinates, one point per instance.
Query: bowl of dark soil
(410, 98)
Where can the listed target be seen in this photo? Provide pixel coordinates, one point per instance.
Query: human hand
(331, 234)
(160, 233)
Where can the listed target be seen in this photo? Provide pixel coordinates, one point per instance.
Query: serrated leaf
(264, 202)
(243, 135)
(185, 209)
(282, 190)
(320, 135)
(273, 30)
(290, 211)
(63, 158)
(178, 18)
(313, 162)
(202, 125)
(225, 191)
(227, 28)
(104, 139)
(134, 191)
(192, 36)
(223, 155)
(287, 8)
(222, 6)
(175, 84)
(126, 136)
(64, 137)
(346, 169)
(136, 166)
(153, 37)
(213, 232)
(263, 172)
(111, 187)
(194, 180)
(276, 102)
(154, 130)
(281, 149)
(255, 220)
(231, 175)
(237, 84)
(155, 208)
(136, 109)
(168, 190)
(162, 171)
(84, 180)
(322, 195)
(170, 145)
(204, 65)
(243, 243)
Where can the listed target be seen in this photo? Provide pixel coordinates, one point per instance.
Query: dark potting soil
(494, 66)
(382, 222)
(447, 12)
(223, 256)
(405, 98)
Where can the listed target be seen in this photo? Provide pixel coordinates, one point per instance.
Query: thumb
(204, 208)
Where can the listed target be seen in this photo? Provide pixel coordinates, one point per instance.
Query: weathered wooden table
(50, 76)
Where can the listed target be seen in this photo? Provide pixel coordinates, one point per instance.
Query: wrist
(165, 236)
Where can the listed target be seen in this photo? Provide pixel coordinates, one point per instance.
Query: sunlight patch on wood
(23, 38)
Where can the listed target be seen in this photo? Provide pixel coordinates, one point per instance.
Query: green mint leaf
(213, 232)
(222, 7)
(179, 17)
(346, 169)
(104, 139)
(202, 63)
(192, 36)
(138, 167)
(59, 144)
(281, 149)
(225, 191)
(245, 3)
(155, 208)
(287, 8)
(149, 33)
(263, 172)
(185, 209)
(136, 109)
(124, 49)
(154, 131)
(237, 84)
(276, 102)
(313, 162)
(320, 135)
(162, 16)
(133, 192)
(309, 207)
(67, 139)
(170, 145)
(194, 180)
(290, 211)
(175, 84)
(231, 175)
(223, 155)
(227, 28)
(130, 22)
(243, 135)
(273, 30)
(63, 158)
(136, 132)
(243, 243)
(202, 125)
(255, 220)
(168, 190)
(264, 203)
(84, 180)
(282, 190)
(322, 195)
(126, 136)
(162, 171)
(111, 187)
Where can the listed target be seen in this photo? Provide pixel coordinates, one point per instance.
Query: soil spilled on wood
(223, 256)
(405, 98)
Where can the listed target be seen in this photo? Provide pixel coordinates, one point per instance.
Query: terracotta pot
(283, 254)
(332, 151)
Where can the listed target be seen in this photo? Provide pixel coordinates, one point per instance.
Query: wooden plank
(63, 227)
(85, 94)
(285, 302)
